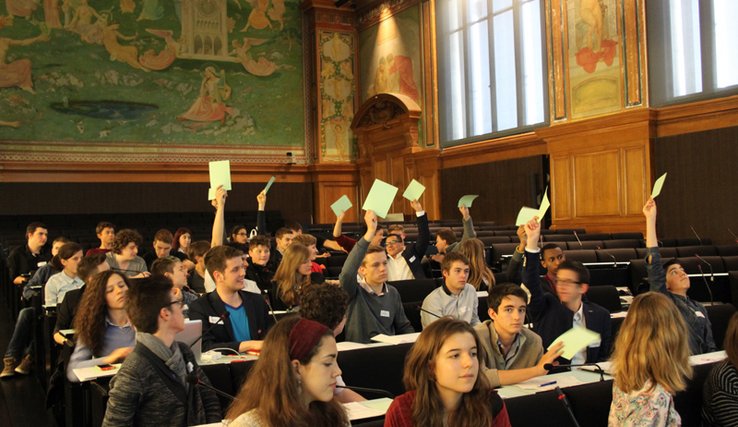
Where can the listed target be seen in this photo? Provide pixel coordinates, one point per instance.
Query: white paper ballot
(658, 185)
(525, 215)
(575, 340)
(544, 205)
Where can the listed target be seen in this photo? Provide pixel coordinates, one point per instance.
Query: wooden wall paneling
(331, 182)
(596, 181)
(696, 116)
(635, 178)
(634, 52)
(430, 72)
(562, 188)
(424, 167)
(555, 40)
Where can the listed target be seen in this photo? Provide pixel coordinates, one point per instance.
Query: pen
(547, 384)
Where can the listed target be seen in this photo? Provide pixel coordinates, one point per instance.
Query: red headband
(304, 336)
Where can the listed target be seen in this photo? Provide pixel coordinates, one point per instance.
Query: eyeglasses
(242, 233)
(393, 242)
(567, 282)
(179, 302)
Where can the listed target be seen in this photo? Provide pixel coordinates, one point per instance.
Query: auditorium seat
(666, 253)
(731, 263)
(629, 235)
(558, 238)
(415, 290)
(581, 255)
(690, 251)
(375, 367)
(719, 315)
(606, 296)
(638, 276)
(595, 236)
(693, 241)
(622, 243)
(500, 249)
(491, 240)
(727, 250)
(585, 244)
(620, 254)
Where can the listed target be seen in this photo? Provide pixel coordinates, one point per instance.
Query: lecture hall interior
(112, 110)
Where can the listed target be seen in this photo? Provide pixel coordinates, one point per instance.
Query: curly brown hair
(124, 237)
(89, 323)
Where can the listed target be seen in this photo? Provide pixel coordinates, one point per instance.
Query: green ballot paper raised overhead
(414, 190)
(467, 200)
(380, 198)
(341, 205)
(220, 174)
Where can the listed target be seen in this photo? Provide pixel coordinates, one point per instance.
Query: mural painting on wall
(390, 56)
(595, 79)
(337, 95)
(164, 71)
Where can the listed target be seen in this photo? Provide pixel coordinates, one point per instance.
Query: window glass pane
(476, 9)
(726, 34)
(479, 85)
(532, 62)
(505, 79)
(451, 10)
(456, 79)
(500, 5)
(685, 47)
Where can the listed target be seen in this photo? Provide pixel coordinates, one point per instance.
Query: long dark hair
(272, 387)
(177, 234)
(65, 252)
(475, 406)
(89, 323)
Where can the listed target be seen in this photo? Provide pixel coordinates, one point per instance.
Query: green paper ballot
(269, 184)
(220, 174)
(467, 200)
(544, 205)
(575, 340)
(414, 190)
(341, 205)
(380, 198)
(211, 193)
(525, 215)
(658, 185)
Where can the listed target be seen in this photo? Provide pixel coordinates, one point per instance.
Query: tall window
(490, 66)
(691, 45)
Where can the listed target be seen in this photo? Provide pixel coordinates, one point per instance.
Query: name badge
(699, 314)
(41, 263)
(384, 313)
(412, 258)
(213, 319)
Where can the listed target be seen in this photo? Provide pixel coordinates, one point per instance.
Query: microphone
(193, 379)
(564, 401)
(704, 261)
(599, 370)
(428, 312)
(733, 234)
(612, 257)
(377, 391)
(221, 318)
(709, 291)
(696, 235)
(265, 294)
(578, 241)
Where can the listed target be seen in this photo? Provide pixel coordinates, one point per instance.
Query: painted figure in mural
(51, 13)
(381, 80)
(258, 18)
(163, 59)
(82, 23)
(210, 104)
(17, 73)
(127, 6)
(276, 12)
(400, 70)
(68, 9)
(117, 51)
(151, 10)
(593, 42)
(22, 8)
(262, 67)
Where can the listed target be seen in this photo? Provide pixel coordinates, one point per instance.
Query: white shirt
(58, 285)
(579, 321)
(397, 268)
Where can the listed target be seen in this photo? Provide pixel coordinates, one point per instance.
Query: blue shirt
(239, 322)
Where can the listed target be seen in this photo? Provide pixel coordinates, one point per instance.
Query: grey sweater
(370, 314)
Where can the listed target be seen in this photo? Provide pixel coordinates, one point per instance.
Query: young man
(124, 256)
(283, 238)
(455, 297)
(672, 281)
(446, 238)
(232, 317)
(258, 270)
(24, 260)
(346, 243)
(327, 304)
(157, 383)
(404, 263)
(374, 307)
(105, 232)
(553, 315)
(42, 275)
(163, 240)
(513, 352)
(172, 268)
(551, 257)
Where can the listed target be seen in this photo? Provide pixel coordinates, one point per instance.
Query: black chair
(727, 250)
(581, 255)
(416, 289)
(688, 251)
(619, 255)
(719, 316)
(606, 296)
(622, 243)
(731, 263)
(638, 276)
(375, 367)
(595, 236)
(559, 238)
(689, 241)
(586, 244)
(629, 235)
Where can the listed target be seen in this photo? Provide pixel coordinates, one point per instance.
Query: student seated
(232, 318)
(239, 238)
(309, 241)
(173, 269)
(182, 241)
(105, 232)
(196, 279)
(720, 393)
(650, 363)
(480, 276)
(346, 243)
(671, 280)
(443, 382)
(103, 333)
(163, 243)
(446, 238)
(553, 315)
(404, 262)
(283, 239)
(42, 275)
(124, 256)
(327, 304)
(258, 270)
(513, 353)
(293, 382)
(374, 306)
(66, 280)
(455, 297)
(292, 276)
(25, 259)
(157, 383)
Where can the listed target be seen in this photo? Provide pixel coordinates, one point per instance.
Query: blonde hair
(289, 280)
(473, 249)
(652, 346)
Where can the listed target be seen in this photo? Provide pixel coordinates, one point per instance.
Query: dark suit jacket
(414, 254)
(210, 307)
(66, 311)
(551, 318)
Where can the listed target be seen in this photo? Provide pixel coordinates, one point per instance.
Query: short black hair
(88, 266)
(324, 304)
(577, 267)
(31, 228)
(451, 258)
(146, 298)
(501, 290)
(548, 247)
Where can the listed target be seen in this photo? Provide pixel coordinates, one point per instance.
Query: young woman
(720, 404)
(66, 260)
(239, 238)
(196, 279)
(182, 240)
(103, 333)
(480, 276)
(650, 364)
(293, 382)
(445, 388)
(291, 276)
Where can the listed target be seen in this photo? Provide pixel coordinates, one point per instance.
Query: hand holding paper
(380, 198)
(575, 340)
(269, 184)
(467, 200)
(341, 205)
(414, 190)
(658, 185)
(220, 174)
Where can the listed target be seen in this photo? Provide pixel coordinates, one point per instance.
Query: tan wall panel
(635, 182)
(562, 189)
(596, 178)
